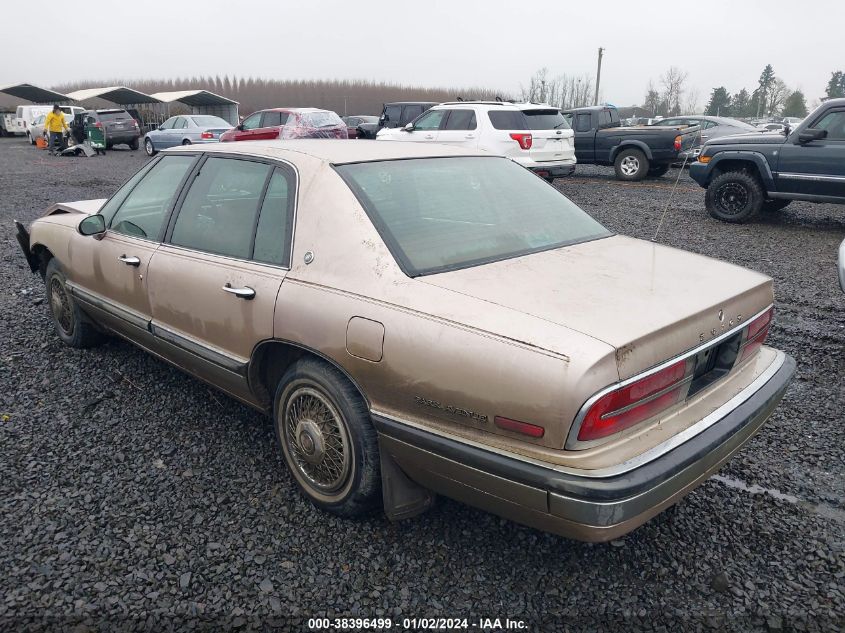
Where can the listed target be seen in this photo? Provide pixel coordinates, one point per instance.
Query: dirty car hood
(650, 302)
(86, 207)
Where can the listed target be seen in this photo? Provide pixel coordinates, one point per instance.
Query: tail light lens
(206, 135)
(758, 330)
(524, 140)
(98, 125)
(633, 403)
(677, 143)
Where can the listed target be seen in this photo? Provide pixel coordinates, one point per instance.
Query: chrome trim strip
(572, 442)
(206, 353)
(96, 301)
(812, 177)
(635, 462)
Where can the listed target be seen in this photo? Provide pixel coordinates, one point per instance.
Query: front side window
(834, 123)
(252, 122)
(143, 210)
(430, 120)
(168, 125)
(461, 120)
(440, 214)
(392, 114)
(220, 209)
(180, 123)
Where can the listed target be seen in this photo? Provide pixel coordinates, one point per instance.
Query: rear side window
(507, 120)
(274, 119)
(322, 118)
(545, 120)
(583, 122)
(220, 210)
(275, 220)
(143, 210)
(461, 120)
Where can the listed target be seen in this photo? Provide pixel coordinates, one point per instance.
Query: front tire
(631, 165)
(72, 326)
(327, 439)
(30, 139)
(734, 196)
(149, 148)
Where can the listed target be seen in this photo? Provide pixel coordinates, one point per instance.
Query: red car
(287, 123)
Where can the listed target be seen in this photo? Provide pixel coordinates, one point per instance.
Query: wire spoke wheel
(60, 305)
(316, 438)
(732, 197)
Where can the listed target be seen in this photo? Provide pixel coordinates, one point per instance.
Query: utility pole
(598, 77)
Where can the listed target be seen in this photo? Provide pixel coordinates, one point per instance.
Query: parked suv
(535, 136)
(765, 171)
(287, 123)
(117, 125)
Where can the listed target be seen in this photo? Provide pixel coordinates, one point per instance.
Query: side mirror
(92, 225)
(240, 127)
(811, 134)
(409, 127)
(161, 127)
(841, 265)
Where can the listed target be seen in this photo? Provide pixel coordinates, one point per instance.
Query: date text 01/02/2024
(414, 624)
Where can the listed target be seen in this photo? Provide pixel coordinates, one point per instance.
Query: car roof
(387, 103)
(333, 151)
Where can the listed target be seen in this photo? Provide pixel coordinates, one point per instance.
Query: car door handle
(130, 261)
(242, 293)
(470, 136)
(429, 135)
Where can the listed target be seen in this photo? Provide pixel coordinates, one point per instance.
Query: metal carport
(34, 94)
(202, 102)
(123, 97)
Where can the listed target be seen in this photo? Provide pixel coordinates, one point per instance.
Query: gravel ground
(133, 497)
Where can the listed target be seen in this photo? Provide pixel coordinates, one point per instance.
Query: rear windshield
(548, 119)
(114, 116)
(209, 121)
(440, 214)
(321, 119)
(545, 120)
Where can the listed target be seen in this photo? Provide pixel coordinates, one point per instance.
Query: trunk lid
(650, 302)
(552, 138)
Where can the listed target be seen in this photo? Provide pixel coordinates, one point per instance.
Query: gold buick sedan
(421, 319)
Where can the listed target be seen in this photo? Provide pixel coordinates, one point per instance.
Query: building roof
(335, 151)
(116, 94)
(194, 98)
(28, 92)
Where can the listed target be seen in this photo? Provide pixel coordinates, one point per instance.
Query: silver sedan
(185, 129)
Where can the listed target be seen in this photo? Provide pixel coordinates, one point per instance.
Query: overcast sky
(494, 43)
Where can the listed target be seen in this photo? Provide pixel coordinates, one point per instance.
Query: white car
(37, 128)
(534, 135)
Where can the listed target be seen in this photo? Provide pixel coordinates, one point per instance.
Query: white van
(26, 114)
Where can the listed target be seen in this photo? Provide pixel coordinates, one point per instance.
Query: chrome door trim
(205, 352)
(128, 315)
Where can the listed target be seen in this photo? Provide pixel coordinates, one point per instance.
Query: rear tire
(631, 165)
(30, 139)
(328, 442)
(771, 206)
(72, 326)
(658, 171)
(149, 148)
(187, 141)
(133, 145)
(734, 196)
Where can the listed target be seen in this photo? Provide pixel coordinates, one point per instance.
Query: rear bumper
(557, 171)
(575, 504)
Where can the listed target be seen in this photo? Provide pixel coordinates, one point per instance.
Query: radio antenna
(672, 193)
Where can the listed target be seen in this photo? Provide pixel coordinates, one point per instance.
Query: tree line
(771, 98)
(342, 96)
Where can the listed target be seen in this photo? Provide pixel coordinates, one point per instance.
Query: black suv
(396, 114)
(118, 126)
(749, 172)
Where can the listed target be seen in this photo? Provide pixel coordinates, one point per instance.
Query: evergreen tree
(720, 103)
(836, 85)
(767, 79)
(795, 105)
(740, 104)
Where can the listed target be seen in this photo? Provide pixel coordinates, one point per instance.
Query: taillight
(523, 139)
(98, 125)
(633, 403)
(677, 143)
(758, 330)
(206, 135)
(532, 430)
